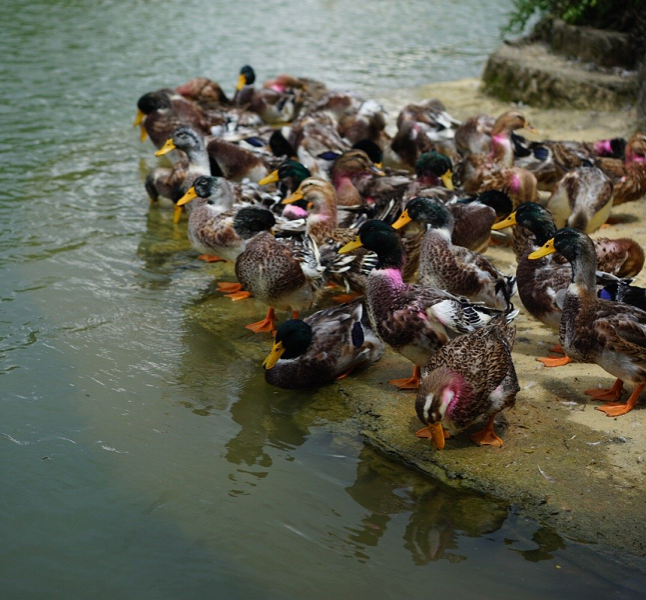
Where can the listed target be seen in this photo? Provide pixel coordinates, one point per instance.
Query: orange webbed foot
(210, 258)
(225, 286)
(487, 436)
(408, 383)
(241, 295)
(342, 298)
(613, 394)
(267, 325)
(550, 361)
(613, 409)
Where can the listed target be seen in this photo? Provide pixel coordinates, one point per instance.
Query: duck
(206, 93)
(414, 320)
(283, 274)
(598, 331)
(620, 289)
(271, 105)
(453, 268)
(541, 284)
(323, 227)
(347, 171)
(473, 135)
(469, 379)
(322, 348)
(234, 162)
(582, 199)
(160, 112)
(630, 176)
(174, 183)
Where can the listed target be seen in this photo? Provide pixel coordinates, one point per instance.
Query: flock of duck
(302, 188)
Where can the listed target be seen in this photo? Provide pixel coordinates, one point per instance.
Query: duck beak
(177, 215)
(447, 180)
(271, 178)
(508, 222)
(404, 219)
(167, 147)
(437, 435)
(187, 197)
(272, 358)
(376, 170)
(350, 246)
(241, 82)
(139, 118)
(547, 248)
(530, 128)
(295, 197)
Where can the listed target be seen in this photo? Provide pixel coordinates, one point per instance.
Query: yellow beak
(272, 358)
(139, 118)
(447, 180)
(404, 219)
(295, 197)
(271, 178)
(508, 222)
(168, 147)
(350, 246)
(437, 435)
(547, 248)
(187, 197)
(376, 170)
(530, 128)
(177, 215)
(241, 82)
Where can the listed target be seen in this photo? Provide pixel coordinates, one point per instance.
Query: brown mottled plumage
(631, 183)
(234, 162)
(469, 379)
(350, 168)
(609, 334)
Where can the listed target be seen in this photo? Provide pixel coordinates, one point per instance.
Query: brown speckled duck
(322, 348)
(592, 330)
(582, 199)
(414, 320)
(630, 176)
(469, 379)
(454, 268)
(283, 274)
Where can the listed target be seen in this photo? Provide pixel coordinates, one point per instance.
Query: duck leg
(613, 409)
(613, 394)
(267, 325)
(409, 383)
(550, 361)
(487, 436)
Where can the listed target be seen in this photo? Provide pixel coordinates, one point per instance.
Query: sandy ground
(563, 462)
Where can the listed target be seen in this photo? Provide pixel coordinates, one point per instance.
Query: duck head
(293, 338)
(433, 167)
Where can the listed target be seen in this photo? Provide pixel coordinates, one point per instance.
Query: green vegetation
(605, 14)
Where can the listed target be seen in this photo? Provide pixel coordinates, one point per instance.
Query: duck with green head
(541, 284)
(414, 320)
(323, 347)
(454, 268)
(593, 330)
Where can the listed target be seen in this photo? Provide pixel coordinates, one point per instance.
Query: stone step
(532, 74)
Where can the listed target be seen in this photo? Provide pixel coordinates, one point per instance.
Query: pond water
(142, 454)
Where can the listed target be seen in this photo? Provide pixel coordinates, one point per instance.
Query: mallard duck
(235, 163)
(289, 176)
(630, 177)
(174, 183)
(322, 226)
(369, 123)
(283, 274)
(473, 135)
(582, 199)
(325, 346)
(541, 284)
(347, 171)
(271, 105)
(414, 320)
(161, 112)
(206, 93)
(620, 290)
(592, 330)
(469, 379)
(454, 268)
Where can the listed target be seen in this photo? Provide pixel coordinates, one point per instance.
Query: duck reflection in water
(438, 515)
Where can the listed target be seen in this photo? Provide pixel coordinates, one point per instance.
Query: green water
(142, 454)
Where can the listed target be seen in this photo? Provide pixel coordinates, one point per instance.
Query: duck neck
(346, 191)
(393, 261)
(584, 267)
(198, 160)
(323, 220)
(502, 152)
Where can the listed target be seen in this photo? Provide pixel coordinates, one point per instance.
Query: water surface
(142, 454)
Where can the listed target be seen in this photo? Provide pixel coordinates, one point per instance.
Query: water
(142, 454)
